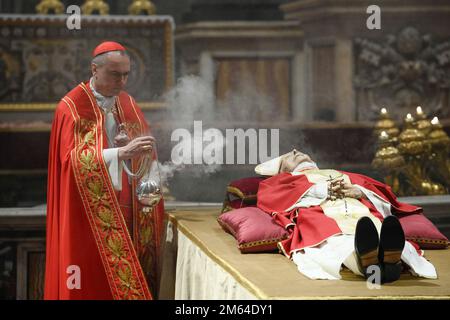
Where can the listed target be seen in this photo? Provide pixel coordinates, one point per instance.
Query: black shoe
(366, 244)
(383, 273)
(392, 242)
(391, 272)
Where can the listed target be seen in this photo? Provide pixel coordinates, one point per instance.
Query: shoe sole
(369, 258)
(366, 244)
(392, 241)
(392, 256)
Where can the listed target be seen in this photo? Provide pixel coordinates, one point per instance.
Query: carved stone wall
(41, 59)
(402, 72)
(400, 66)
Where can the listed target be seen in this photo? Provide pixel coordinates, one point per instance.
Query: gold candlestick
(47, 6)
(438, 137)
(440, 146)
(385, 123)
(422, 124)
(90, 6)
(415, 148)
(389, 161)
(141, 6)
(411, 140)
(418, 164)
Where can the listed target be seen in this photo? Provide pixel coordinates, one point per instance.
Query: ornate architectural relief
(401, 73)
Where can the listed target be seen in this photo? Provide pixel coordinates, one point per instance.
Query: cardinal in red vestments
(101, 242)
(321, 209)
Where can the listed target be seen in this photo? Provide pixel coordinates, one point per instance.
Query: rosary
(332, 195)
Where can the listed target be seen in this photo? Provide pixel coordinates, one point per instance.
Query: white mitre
(270, 167)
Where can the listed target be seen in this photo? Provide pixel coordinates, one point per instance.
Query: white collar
(106, 103)
(306, 165)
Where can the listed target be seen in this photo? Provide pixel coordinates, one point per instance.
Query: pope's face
(292, 160)
(112, 77)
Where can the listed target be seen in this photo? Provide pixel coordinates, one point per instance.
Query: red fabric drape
(310, 226)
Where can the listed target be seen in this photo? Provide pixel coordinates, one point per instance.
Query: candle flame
(435, 121)
(383, 110)
(419, 110)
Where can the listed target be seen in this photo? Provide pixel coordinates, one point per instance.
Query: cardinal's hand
(121, 139)
(136, 147)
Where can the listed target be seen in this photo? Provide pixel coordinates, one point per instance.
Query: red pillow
(422, 231)
(245, 188)
(254, 230)
(241, 193)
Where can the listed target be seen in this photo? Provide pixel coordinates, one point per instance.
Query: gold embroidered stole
(147, 221)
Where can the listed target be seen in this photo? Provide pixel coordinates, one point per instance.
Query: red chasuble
(310, 226)
(91, 228)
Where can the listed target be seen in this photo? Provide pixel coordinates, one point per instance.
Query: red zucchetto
(107, 46)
